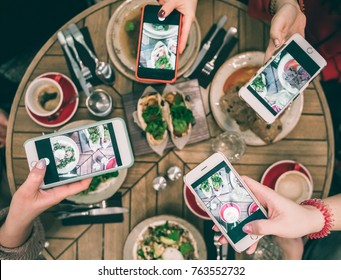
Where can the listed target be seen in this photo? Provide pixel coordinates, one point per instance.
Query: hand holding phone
(226, 198)
(282, 78)
(157, 59)
(80, 153)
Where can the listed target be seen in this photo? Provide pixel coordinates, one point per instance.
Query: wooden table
(310, 143)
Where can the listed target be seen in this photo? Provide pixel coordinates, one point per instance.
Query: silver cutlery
(93, 212)
(206, 46)
(217, 244)
(84, 69)
(103, 70)
(224, 251)
(209, 66)
(69, 206)
(74, 65)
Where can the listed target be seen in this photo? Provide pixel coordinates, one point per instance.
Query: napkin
(114, 201)
(85, 57)
(203, 79)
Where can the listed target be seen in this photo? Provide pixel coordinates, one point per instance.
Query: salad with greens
(94, 134)
(157, 239)
(156, 125)
(181, 115)
(64, 154)
(258, 84)
(97, 180)
(205, 186)
(163, 62)
(160, 27)
(216, 181)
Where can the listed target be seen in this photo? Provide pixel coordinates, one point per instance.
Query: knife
(74, 65)
(94, 212)
(206, 47)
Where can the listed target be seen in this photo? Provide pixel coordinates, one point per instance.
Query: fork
(209, 66)
(84, 69)
(217, 244)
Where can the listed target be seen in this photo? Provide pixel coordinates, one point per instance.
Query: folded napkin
(205, 80)
(85, 57)
(114, 201)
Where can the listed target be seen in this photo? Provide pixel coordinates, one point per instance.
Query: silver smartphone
(226, 199)
(276, 85)
(75, 154)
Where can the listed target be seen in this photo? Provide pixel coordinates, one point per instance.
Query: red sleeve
(259, 9)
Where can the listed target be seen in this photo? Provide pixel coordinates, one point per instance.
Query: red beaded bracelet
(327, 215)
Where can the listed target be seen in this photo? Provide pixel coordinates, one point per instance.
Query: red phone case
(138, 54)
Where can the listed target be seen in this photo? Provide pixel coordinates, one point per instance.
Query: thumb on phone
(36, 177)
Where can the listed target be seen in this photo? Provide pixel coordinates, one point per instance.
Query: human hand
(287, 21)
(285, 217)
(187, 8)
(3, 128)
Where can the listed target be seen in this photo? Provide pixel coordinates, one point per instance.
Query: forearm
(13, 234)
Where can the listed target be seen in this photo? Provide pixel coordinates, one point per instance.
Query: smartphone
(83, 152)
(157, 55)
(276, 85)
(226, 199)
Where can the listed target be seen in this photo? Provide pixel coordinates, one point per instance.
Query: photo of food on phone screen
(280, 82)
(159, 46)
(79, 153)
(227, 200)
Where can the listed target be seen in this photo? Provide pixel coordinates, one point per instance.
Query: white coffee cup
(231, 215)
(41, 99)
(294, 185)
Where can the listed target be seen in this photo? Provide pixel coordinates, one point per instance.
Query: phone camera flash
(161, 19)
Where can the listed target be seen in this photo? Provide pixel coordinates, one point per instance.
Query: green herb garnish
(97, 180)
(156, 126)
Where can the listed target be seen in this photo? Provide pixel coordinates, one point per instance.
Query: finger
(252, 248)
(262, 227)
(186, 27)
(270, 50)
(215, 228)
(166, 9)
(36, 177)
(64, 191)
(223, 240)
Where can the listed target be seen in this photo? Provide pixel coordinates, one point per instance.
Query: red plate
(253, 207)
(68, 109)
(271, 175)
(192, 204)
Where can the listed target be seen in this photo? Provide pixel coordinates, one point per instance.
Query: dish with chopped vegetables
(166, 241)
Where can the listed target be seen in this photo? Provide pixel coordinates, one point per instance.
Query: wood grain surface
(310, 143)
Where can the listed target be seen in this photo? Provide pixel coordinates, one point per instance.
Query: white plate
(289, 118)
(67, 141)
(131, 243)
(118, 44)
(157, 34)
(106, 189)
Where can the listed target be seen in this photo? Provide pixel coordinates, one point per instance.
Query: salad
(163, 62)
(160, 27)
(205, 186)
(64, 154)
(182, 116)
(216, 181)
(94, 134)
(97, 180)
(161, 240)
(156, 125)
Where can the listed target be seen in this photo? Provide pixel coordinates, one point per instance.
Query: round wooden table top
(310, 143)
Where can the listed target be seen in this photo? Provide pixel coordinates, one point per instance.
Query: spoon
(103, 70)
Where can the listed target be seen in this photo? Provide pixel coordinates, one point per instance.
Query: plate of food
(160, 31)
(164, 237)
(103, 186)
(232, 113)
(161, 57)
(230, 212)
(205, 188)
(65, 152)
(123, 32)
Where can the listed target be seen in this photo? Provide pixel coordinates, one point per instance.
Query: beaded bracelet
(272, 6)
(327, 215)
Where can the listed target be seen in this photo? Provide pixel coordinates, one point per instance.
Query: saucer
(68, 110)
(193, 205)
(273, 172)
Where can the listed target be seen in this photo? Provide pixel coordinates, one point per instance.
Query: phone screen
(227, 200)
(159, 44)
(79, 153)
(280, 82)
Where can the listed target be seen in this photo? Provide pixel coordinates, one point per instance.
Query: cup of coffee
(44, 97)
(294, 185)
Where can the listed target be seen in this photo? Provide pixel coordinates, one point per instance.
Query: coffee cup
(44, 97)
(294, 185)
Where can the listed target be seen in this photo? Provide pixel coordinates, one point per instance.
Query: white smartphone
(226, 199)
(276, 85)
(83, 152)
